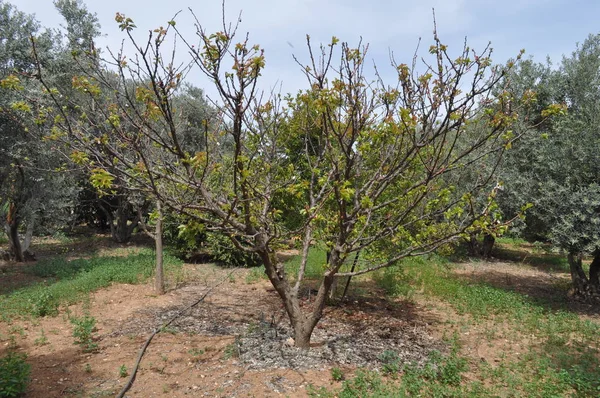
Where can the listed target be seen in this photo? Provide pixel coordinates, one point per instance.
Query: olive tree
(556, 168)
(31, 192)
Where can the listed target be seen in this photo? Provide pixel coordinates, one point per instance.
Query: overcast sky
(542, 27)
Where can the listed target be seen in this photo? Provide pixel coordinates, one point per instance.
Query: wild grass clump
(68, 281)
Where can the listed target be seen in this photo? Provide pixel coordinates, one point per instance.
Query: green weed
(337, 374)
(42, 340)
(565, 362)
(14, 375)
(83, 332)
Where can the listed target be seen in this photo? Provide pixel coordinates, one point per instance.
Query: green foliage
(188, 238)
(123, 371)
(315, 264)
(14, 375)
(390, 362)
(223, 251)
(44, 304)
(185, 237)
(37, 193)
(232, 350)
(395, 282)
(337, 374)
(83, 331)
(256, 274)
(68, 282)
(555, 168)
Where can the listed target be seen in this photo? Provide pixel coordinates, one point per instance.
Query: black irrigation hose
(129, 383)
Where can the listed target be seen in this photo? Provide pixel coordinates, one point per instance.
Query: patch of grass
(232, 350)
(565, 359)
(196, 352)
(390, 362)
(553, 262)
(513, 241)
(395, 282)
(68, 282)
(256, 274)
(314, 266)
(440, 376)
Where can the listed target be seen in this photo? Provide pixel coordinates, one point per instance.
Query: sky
(541, 27)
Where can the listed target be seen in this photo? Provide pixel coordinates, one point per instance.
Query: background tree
(31, 192)
(557, 169)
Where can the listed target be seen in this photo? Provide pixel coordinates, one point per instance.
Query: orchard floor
(236, 343)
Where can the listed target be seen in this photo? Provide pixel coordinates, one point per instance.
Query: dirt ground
(236, 342)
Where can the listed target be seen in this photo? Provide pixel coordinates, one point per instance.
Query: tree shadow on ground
(549, 262)
(549, 290)
(15, 276)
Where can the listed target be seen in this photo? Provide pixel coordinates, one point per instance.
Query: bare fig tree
(363, 166)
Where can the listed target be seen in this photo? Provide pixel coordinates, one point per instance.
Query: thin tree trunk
(350, 278)
(595, 272)
(28, 234)
(159, 281)
(334, 285)
(12, 227)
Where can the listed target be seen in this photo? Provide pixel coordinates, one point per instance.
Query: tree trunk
(120, 228)
(580, 281)
(302, 323)
(302, 333)
(12, 229)
(28, 235)
(334, 285)
(488, 245)
(159, 281)
(473, 246)
(595, 272)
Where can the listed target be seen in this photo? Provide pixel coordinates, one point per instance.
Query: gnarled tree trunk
(303, 321)
(583, 286)
(487, 245)
(120, 220)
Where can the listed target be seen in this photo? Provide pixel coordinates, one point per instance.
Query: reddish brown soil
(194, 357)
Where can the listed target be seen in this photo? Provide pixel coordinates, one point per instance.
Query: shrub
(14, 375)
(222, 250)
(83, 332)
